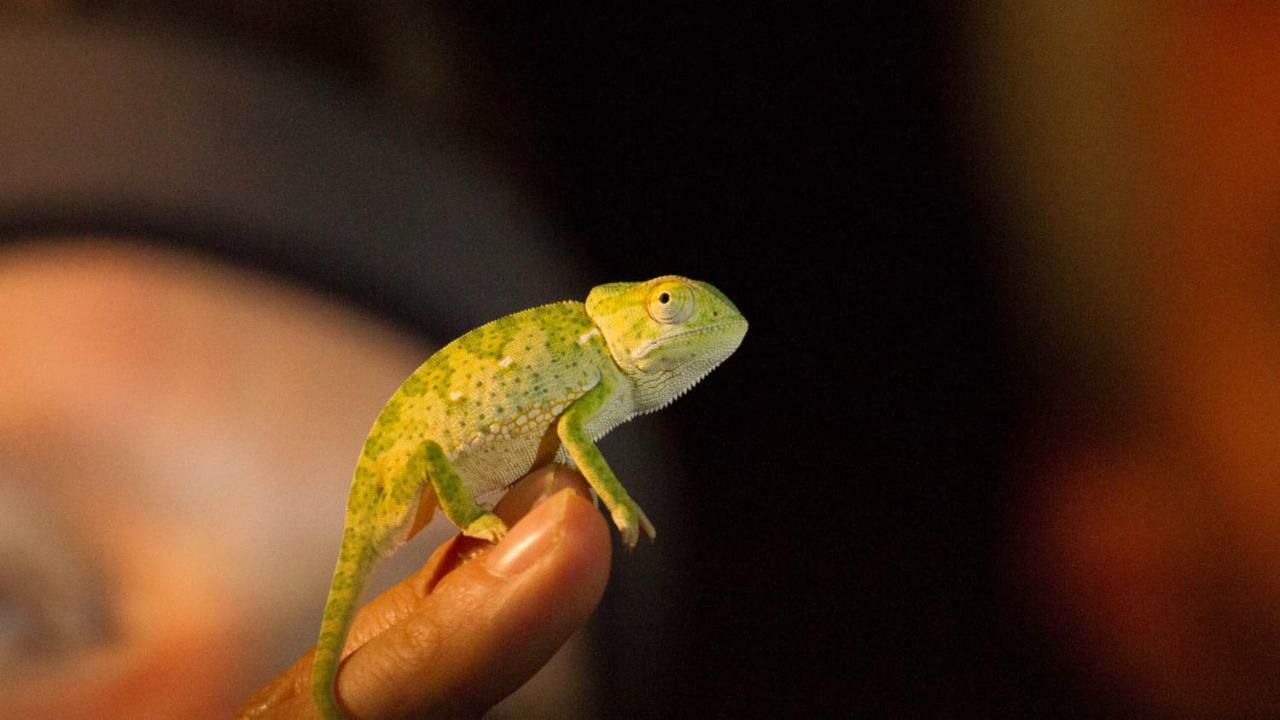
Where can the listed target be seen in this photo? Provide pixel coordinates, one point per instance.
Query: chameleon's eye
(671, 303)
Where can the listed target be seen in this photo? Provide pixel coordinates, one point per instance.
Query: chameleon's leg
(572, 427)
(457, 502)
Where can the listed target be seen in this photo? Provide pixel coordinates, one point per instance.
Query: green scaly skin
(540, 385)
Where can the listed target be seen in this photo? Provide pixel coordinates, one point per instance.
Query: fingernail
(531, 538)
(557, 479)
(547, 484)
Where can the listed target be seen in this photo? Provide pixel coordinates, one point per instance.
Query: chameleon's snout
(725, 317)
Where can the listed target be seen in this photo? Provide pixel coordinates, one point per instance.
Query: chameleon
(537, 386)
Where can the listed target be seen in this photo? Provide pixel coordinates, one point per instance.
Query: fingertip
(566, 525)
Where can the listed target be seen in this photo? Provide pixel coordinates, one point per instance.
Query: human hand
(475, 622)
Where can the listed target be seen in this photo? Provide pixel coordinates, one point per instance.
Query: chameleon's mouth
(649, 346)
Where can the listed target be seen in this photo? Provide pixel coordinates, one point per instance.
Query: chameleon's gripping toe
(632, 521)
(486, 527)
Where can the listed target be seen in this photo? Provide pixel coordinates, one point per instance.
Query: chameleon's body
(539, 385)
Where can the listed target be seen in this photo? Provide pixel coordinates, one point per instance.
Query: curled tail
(354, 563)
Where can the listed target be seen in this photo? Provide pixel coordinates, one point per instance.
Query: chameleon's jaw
(733, 330)
(676, 363)
(690, 346)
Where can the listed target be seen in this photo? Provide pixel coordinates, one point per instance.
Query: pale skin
(508, 397)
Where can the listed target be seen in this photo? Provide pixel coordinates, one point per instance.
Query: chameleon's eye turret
(671, 302)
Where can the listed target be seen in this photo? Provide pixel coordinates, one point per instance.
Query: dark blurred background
(849, 468)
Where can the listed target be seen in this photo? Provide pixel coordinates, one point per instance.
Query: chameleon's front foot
(486, 527)
(631, 521)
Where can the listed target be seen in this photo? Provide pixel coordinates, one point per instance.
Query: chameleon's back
(494, 393)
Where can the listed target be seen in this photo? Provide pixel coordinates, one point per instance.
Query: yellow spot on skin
(505, 361)
(455, 395)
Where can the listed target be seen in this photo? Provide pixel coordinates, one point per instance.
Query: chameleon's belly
(494, 466)
(487, 467)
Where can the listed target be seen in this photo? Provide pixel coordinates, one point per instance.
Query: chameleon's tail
(354, 562)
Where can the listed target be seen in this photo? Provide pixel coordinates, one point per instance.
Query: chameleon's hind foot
(486, 527)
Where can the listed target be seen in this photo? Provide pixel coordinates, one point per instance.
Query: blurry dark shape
(120, 131)
(453, 65)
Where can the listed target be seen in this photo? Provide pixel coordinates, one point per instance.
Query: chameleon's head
(666, 333)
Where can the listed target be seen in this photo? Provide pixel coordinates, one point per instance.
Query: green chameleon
(540, 385)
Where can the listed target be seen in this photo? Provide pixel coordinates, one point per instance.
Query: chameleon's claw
(631, 521)
(486, 527)
(647, 527)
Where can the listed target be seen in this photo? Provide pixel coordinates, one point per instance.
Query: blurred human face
(175, 446)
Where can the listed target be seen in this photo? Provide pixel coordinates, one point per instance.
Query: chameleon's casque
(541, 384)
